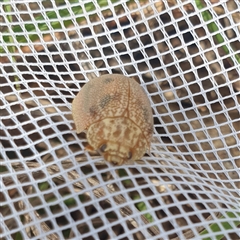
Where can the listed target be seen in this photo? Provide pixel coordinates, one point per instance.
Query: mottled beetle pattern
(117, 115)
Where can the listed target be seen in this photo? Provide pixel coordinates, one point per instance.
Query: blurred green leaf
(43, 186)
(225, 225)
(212, 27)
(53, 17)
(141, 206)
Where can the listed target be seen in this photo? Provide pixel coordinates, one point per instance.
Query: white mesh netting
(185, 55)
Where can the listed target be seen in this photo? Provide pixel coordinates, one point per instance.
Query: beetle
(117, 115)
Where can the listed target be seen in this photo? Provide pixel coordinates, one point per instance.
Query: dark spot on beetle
(145, 113)
(105, 100)
(108, 80)
(117, 132)
(103, 147)
(129, 156)
(93, 110)
(117, 96)
(127, 134)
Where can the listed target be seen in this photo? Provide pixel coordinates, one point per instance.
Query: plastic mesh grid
(52, 188)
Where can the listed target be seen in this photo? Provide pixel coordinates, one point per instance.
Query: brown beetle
(117, 115)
